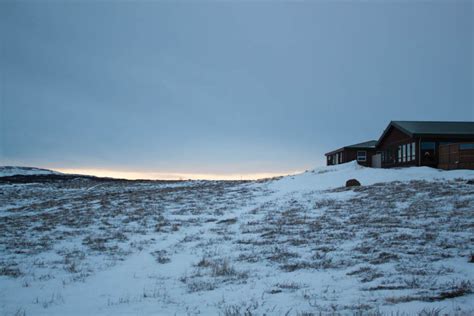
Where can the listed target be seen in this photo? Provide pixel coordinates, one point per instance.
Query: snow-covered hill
(303, 244)
(7, 171)
(330, 177)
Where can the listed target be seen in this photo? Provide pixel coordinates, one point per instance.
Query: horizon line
(143, 175)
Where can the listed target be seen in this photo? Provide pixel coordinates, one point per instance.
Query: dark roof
(426, 128)
(364, 145)
(435, 128)
(367, 144)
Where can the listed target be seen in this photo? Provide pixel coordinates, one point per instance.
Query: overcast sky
(229, 87)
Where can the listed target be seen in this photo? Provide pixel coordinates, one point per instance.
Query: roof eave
(367, 147)
(443, 135)
(348, 147)
(335, 151)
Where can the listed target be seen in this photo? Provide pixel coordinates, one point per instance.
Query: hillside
(303, 244)
(7, 171)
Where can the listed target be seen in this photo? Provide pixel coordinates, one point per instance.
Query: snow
(329, 177)
(7, 171)
(298, 244)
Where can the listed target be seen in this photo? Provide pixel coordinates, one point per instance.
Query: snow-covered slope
(330, 177)
(6, 171)
(400, 244)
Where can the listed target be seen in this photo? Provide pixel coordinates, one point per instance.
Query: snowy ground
(298, 245)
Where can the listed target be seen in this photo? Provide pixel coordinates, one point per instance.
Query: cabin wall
(438, 141)
(349, 154)
(456, 156)
(389, 147)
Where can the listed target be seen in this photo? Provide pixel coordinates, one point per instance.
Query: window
(413, 151)
(428, 152)
(466, 146)
(404, 153)
(389, 157)
(399, 154)
(361, 155)
(428, 146)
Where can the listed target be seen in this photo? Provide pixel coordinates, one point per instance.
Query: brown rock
(352, 183)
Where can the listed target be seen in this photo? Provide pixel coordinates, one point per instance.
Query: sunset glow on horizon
(143, 175)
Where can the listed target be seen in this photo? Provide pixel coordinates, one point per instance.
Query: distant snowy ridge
(7, 171)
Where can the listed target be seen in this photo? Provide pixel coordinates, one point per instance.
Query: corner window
(361, 155)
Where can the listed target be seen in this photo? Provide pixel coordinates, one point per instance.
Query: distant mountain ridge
(8, 171)
(14, 174)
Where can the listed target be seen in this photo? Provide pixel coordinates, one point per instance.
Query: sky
(224, 89)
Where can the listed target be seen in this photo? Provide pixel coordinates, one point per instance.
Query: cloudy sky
(222, 88)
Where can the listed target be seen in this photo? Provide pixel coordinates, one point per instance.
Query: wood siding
(350, 154)
(389, 148)
(452, 157)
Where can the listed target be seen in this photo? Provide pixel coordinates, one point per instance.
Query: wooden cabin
(418, 143)
(446, 145)
(362, 152)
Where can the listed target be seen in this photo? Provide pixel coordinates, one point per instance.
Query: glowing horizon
(152, 175)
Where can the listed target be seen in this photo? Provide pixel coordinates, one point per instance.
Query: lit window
(361, 155)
